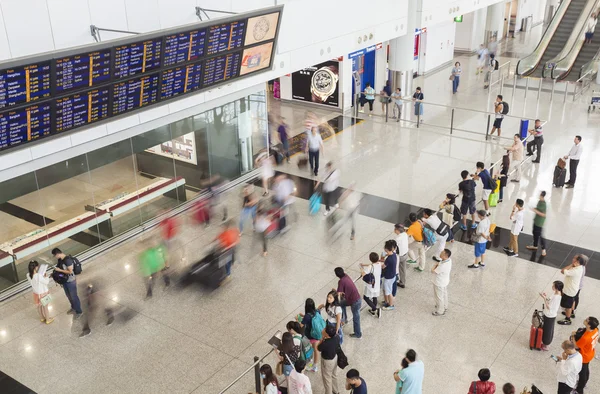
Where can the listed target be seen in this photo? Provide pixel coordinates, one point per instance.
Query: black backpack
(76, 265)
(504, 108)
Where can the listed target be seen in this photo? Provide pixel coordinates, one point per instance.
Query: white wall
(440, 45)
(537, 8)
(439, 11)
(36, 26)
(471, 31)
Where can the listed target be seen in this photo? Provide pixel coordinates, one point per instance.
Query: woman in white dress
(39, 283)
(265, 162)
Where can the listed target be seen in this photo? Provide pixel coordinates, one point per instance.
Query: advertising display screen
(57, 92)
(317, 84)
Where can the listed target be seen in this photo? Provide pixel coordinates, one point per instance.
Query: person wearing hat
(402, 251)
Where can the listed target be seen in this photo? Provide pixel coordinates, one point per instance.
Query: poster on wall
(317, 84)
(181, 148)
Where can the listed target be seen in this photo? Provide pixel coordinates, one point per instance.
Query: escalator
(553, 41)
(586, 55)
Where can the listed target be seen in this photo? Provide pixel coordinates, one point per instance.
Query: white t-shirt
(442, 273)
(567, 371)
(402, 241)
(374, 291)
(483, 229)
(283, 189)
(314, 141)
(262, 224)
(517, 225)
(299, 383)
(352, 200)
(572, 280)
(332, 312)
(271, 389)
(39, 283)
(554, 305)
(331, 181)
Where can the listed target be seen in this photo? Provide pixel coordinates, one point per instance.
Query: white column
(495, 20)
(381, 65)
(345, 83)
(402, 53)
(551, 5)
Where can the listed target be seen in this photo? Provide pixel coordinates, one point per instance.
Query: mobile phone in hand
(553, 357)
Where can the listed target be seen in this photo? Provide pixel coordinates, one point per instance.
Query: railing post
(566, 92)
(452, 121)
(418, 117)
(526, 86)
(512, 99)
(387, 105)
(487, 131)
(553, 86)
(501, 83)
(257, 382)
(539, 90)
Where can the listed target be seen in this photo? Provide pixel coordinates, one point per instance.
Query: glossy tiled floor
(189, 340)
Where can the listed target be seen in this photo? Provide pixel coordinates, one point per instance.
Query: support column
(494, 25)
(381, 65)
(551, 7)
(402, 53)
(345, 84)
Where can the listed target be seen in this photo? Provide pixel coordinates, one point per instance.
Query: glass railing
(562, 63)
(591, 67)
(529, 63)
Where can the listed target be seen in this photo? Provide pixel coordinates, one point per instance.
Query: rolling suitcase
(535, 338)
(559, 176)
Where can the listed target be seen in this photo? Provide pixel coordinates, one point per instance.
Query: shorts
(314, 341)
(388, 286)
(498, 123)
(468, 205)
(486, 194)
(589, 35)
(567, 301)
(480, 248)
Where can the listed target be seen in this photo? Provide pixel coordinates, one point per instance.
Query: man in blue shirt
(389, 274)
(355, 383)
(488, 184)
(411, 376)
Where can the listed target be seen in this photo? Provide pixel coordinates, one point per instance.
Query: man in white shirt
(574, 156)
(314, 145)
(331, 181)
(573, 274)
(568, 367)
(441, 230)
(517, 217)
(517, 156)
(284, 189)
(298, 382)
(440, 283)
(402, 242)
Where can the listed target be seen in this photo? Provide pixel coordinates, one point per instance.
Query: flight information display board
(225, 37)
(25, 124)
(180, 80)
(134, 93)
(184, 47)
(137, 58)
(82, 71)
(57, 92)
(81, 109)
(24, 84)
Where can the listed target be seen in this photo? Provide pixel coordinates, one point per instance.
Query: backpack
(76, 265)
(317, 325)
(456, 216)
(59, 277)
(428, 237)
(504, 108)
(306, 349)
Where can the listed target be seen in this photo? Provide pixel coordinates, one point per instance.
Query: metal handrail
(250, 368)
(592, 65)
(581, 82)
(500, 74)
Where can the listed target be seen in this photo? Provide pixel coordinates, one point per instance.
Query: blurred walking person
(265, 163)
(39, 284)
(331, 182)
(283, 137)
(249, 204)
(314, 146)
(350, 202)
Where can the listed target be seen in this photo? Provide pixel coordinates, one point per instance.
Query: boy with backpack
(300, 340)
(488, 184)
(70, 266)
(501, 109)
(468, 204)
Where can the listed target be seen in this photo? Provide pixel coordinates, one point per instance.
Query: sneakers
(544, 348)
(531, 247)
(411, 261)
(474, 226)
(473, 266)
(515, 180)
(419, 269)
(543, 252)
(77, 315)
(85, 333)
(378, 313)
(481, 265)
(314, 368)
(437, 259)
(507, 249)
(353, 335)
(512, 254)
(437, 314)
(389, 308)
(373, 312)
(463, 227)
(71, 311)
(572, 314)
(565, 322)
(49, 321)
(325, 213)
(400, 285)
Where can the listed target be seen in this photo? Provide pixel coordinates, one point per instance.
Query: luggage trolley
(594, 101)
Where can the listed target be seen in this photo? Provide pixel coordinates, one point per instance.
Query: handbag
(279, 368)
(452, 77)
(45, 300)
(369, 278)
(537, 320)
(342, 360)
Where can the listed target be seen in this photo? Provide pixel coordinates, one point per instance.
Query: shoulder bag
(342, 360)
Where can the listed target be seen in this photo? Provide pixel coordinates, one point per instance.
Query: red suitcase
(535, 338)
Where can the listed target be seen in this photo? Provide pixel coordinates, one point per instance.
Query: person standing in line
(389, 275)
(483, 385)
(418, 98)
(576, 299)
(551, 306)
(574, 156)
(412, 376)
(537, 142)
(249, 205)
(328, 347)
(283, 137)
(468, 203)
(269, 379)
(370, 97)
(517, 157)
(349, 295)
(372, 287)
(499, 117)
(538, 224)
(334, 313)
(298, 382)
(440, 229)
(305, 319)
(573, 274)
(450, 213)
(483, 231)
(587, 347)
(331, 182)
(503, 176)
(487, 183)
(65, 264)
(402, 252)
(39, 283)
(415, 232)
(385, 96)
(355, 383)
(456, 71)
(482, 55)
(568, 367)
(397, 98)
(517, 217)
(289, 352)
(314, 146)
(508, 388)
(590, 28)
(440, 283)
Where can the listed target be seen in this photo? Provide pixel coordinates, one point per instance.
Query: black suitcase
(209, 271)
(559, 176)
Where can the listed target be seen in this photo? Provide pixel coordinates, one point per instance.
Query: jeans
(70, 289)
(455, 83)
(286, 148)
(247, 212)
(573, 171)
(313, 159)
(537, 144)
(355, 307)
(537, 236)
(584, 376)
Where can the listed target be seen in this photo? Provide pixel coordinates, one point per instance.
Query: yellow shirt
(416, 231)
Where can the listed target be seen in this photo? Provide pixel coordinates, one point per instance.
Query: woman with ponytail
(39, 283)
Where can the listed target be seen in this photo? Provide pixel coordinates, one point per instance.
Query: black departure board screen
(81, 109)
(25, 84)
(221, 68)
(184, 47)
(25, 124)
(134, 93)
(137, 58)
(180, 80)
(82, 71)
(225, 37)
(65, 90)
